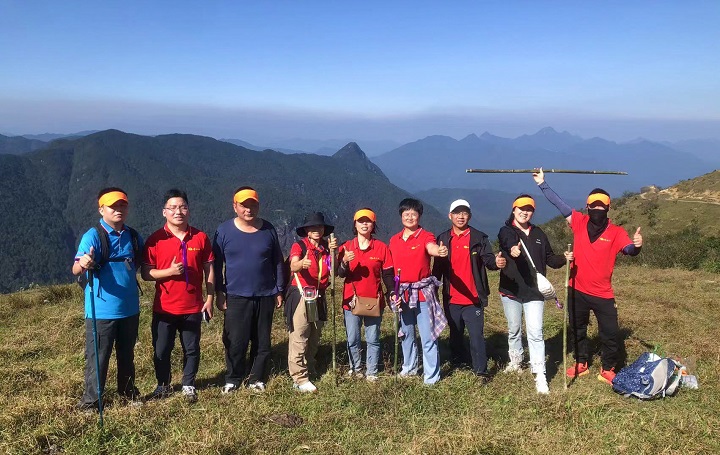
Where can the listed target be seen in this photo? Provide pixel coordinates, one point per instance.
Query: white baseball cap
(459, 203)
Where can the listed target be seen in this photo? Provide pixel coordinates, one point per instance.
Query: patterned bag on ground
(649, 377)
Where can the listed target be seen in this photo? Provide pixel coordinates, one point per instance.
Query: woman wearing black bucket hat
(305, 306)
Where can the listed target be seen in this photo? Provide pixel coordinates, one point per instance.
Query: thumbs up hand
(500, 261)
(515, 250)
(348, 256)
(306, 262)
(442, 250)
(637, 238)
(176, 268)
(87, 260)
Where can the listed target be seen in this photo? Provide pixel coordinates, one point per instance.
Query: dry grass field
(672, 311)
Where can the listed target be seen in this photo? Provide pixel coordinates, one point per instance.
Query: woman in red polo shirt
(519, 292)
(411, 250)
(364, 263)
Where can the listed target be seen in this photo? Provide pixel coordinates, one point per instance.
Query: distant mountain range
(441, 161)
(48, 196)
(318, 147)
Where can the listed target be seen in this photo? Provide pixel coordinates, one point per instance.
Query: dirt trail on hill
(672, 194)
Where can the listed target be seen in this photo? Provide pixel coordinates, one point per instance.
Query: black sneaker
(87, 408)
(160, 392)
(132, 398)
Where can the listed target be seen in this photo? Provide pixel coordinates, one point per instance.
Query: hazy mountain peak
(472, 137)
(548, 130)
(351, 151)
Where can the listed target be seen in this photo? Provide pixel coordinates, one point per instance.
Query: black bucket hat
(314, 219)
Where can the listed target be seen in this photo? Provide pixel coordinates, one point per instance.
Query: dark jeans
(248, 320)
(473, 317)
(123, 334)
(164, 327)
(608, 330)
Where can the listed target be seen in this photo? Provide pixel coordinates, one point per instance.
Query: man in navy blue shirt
(249, 290)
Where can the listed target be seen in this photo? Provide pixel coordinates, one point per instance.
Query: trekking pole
(396, 319)
(547, 171)
(95, 343)
(332, 303)
(565, 315)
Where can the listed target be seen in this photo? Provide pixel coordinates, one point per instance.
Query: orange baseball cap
(523, 202)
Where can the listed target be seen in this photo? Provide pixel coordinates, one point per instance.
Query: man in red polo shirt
(465, 284)
(176, 258)
(596, 244)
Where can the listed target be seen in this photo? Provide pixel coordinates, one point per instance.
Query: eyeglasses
(176, 208)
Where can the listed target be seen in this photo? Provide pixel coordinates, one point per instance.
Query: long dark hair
(511, 218)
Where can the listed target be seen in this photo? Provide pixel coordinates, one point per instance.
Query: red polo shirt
(174, 295)
(411, 256)
(462, 283)
(594, 262)
(319, 257)
(365, 271)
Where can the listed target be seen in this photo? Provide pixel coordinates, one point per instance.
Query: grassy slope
(41, 364)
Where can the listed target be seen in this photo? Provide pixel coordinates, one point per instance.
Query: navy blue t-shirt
(253, 261)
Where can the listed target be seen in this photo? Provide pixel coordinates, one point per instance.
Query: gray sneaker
(229, 387)
(257, 387)
(189, 393)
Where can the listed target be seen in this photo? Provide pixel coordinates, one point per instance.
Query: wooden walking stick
(332, 303)
(396, 319)
(547, 171)
(565, 314)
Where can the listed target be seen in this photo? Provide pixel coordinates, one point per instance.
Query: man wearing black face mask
(596, 244)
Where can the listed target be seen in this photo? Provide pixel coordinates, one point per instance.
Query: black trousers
(473, 317)
(607, 317)
(164, 327)
(122, 333)
(248, 321)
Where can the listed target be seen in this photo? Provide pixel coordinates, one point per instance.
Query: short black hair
(243, 188)
(599, 191)
(174, 192)
(374, 228)
(410, 204)
(110, 189)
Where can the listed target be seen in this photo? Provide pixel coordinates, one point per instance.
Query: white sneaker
(189, 393)
(257, 387)
(305, 387)
(229, 387)
(354, 374)
(541, 384)
(515, 364)
(371, 378)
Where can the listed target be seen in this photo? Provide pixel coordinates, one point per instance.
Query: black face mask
(598, 223)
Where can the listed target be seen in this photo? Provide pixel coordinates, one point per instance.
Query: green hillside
(48, 197)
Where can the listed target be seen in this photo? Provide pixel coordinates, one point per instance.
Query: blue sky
(261, 71)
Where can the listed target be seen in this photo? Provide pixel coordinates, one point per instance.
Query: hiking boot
(160, 392)
(229, 388)
(515, 364)
(541, 385)
(606, 376)
(257, 387)
(132, 398)
(189, 393)
(87, 408)
(305, 387)
(578, 369)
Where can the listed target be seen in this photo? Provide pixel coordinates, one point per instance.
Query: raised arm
(562, 206)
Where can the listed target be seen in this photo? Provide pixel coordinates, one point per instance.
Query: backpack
(105, 252)
(649, 377)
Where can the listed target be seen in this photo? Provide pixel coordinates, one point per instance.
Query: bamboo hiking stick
(396, 318)
(332, 303)
(565, 315)
(547, 171)
(95, 342)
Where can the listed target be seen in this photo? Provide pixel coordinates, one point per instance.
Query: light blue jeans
(409, 318)
(533, 326)
(354, 343)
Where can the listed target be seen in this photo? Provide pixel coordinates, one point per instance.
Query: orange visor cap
(367, 213)
(243, 195)
(112, 197)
